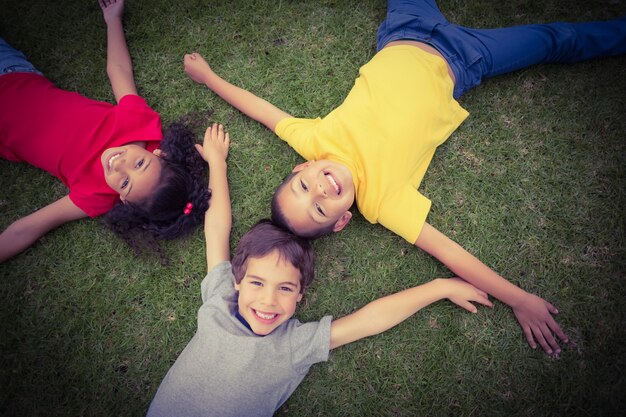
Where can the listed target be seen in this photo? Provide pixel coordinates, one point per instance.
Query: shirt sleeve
(299, 134)
(404, 213)
(219, 281)
(135, 120)
(310, 343)
(91, 203)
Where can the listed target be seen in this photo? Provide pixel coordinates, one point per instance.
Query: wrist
(447, 287)
(518, 299)
(209, 78)
(215, 162)
(113, 20)
(441, 288)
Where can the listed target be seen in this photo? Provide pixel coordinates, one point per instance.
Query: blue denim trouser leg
(476, 54)
(12, 60)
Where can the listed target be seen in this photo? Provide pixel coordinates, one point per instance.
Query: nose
(119, 164)
(321, 190)
(269, 297)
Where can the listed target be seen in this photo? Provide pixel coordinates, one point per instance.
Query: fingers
(557, 330)
(216, 136)
(106, 3)
(543, 335)
(193, 56)
(550, 346)
(468, 306)
(216, 143)
(546, 340)
(529, 337)
(552, 328)
(484, 300)
(481, 298)
(217, 132)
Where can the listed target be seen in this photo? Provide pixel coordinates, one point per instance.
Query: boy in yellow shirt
(376, 146)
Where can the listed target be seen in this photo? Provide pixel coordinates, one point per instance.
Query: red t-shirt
(65, 134)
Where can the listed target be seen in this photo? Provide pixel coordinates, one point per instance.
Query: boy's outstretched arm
(252, 106)
(386, 312)
(218, 219)
(533, 313)
(119, 65)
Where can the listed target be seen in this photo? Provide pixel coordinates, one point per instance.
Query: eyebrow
(143, 170)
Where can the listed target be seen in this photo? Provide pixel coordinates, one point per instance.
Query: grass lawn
(532, 183)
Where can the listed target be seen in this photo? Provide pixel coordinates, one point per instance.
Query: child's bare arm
(533, 313)
(119, 64)
(386, 312)
(217, 221)
(252, 106)
(24, 232)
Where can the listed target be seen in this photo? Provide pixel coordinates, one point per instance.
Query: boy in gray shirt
(248, 354)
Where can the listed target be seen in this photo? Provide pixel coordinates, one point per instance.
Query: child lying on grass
(249, 354)
(374, 148)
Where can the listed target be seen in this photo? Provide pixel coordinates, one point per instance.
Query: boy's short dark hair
(263, 238)
(279, 218)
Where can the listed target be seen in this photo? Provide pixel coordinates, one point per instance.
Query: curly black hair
(183, 180)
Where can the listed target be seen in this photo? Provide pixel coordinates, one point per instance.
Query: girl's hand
(112, 9)
(462, 293)
(534, 314)
(216, 143)
(196, 67)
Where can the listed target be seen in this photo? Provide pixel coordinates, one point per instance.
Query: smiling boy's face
(268, 292)
(319, 195)
(132, 171)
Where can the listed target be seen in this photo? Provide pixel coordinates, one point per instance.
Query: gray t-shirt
(227, 370)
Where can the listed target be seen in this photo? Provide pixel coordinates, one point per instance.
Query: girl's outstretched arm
(24, 232)
(218, 218)
(533, 313)
(252, 106)
(386, 312)
(119, 65)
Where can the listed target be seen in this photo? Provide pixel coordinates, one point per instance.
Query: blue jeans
(476, 54)
(12, 60)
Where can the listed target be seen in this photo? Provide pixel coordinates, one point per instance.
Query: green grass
(532, 183)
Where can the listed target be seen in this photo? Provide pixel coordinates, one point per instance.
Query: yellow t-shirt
(386, 132)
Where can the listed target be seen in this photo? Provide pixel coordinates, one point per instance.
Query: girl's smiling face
(132, 171)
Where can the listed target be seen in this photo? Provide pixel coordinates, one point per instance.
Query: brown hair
(263, 238)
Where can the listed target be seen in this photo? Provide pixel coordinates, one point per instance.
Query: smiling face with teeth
(132, 171)
(268, 292)
(318, 196)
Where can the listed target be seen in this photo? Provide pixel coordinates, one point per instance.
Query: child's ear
(123, 199)
(301, 166)
(299, 297)
(342, 222)
(158, 153)
(237, 286)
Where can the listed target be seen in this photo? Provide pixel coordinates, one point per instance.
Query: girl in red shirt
(103, 153)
